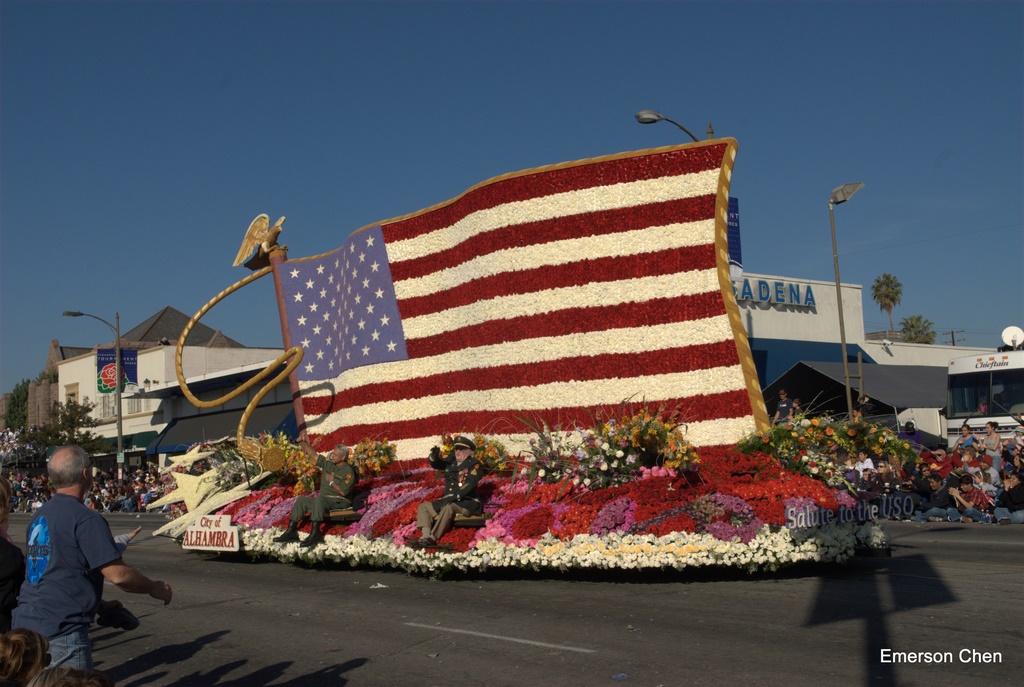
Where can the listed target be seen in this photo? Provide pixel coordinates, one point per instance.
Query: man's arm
(131, 580)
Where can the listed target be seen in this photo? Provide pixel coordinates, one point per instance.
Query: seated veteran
(337, 483)
(462, 472)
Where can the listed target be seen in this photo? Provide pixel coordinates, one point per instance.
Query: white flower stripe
(596, 199)
(628, 243)
(770, 550)
(624, 340)
(597, 392)
(592, 295)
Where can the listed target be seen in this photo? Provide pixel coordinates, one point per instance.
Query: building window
(134, 405)
(71, 393)
(107, 406)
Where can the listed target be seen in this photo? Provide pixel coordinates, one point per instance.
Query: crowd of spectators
(11, 447)
(139, 488)
(977, 480)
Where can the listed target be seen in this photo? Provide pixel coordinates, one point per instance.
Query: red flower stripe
(559, 276)
(609, 366)
(573, 321)
(545, 231)
(725, 405)
(544, 183)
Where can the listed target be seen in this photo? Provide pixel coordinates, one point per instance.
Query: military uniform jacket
(344, 476)
(460, 480)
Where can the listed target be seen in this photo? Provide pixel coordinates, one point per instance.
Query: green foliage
(16, 414)
(70, 425)
(916, 329)
(47, 375)
(887, 291)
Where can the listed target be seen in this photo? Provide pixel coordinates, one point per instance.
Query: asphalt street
(952, 592)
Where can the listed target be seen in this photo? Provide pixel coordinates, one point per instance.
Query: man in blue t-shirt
(70, 553)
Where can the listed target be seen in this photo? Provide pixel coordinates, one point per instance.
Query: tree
(887, 291)
(916, 329)
(16, 414)
(70, 425)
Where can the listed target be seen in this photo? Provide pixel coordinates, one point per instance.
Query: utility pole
(952, 336)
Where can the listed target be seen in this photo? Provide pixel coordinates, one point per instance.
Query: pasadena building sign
(775, 291)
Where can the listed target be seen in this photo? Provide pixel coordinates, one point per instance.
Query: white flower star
(301, 320)
(391, 346)
(384, 321)
(295, 274)
(298, 298)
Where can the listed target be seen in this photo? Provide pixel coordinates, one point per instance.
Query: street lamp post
(841, 194)
(652, 117)
(116, 328)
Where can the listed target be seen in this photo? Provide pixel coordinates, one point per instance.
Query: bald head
(67, 467)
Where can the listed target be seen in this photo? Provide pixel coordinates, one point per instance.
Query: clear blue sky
(140, 138)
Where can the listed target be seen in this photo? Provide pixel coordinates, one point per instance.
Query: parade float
(579, 321)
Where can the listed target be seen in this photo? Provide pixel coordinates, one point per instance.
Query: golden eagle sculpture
(263, 238)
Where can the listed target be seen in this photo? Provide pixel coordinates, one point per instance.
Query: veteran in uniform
(462, 472)
(337, 482)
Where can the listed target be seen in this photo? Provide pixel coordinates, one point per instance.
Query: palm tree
(887, 292)
(916, 329)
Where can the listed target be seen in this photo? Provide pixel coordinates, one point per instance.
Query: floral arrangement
(612, 452)
(817, 447)
(492, 453)
(300, 473)
(372, 457)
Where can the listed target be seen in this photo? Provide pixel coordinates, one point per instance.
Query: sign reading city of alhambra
(211, 533)
(775, 291)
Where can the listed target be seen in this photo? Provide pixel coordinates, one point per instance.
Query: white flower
(541, 473)
(619, 454)
(605, 446)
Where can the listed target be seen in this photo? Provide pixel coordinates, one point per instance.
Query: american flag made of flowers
(545, 294)
(342, 310)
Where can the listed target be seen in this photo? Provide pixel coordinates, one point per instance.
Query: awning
(132, 443)
(821, 385)
(184, 432)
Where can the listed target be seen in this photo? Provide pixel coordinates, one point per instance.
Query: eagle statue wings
(261, 236)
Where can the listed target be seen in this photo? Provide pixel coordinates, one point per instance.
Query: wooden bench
(342, 516)
(470, 520)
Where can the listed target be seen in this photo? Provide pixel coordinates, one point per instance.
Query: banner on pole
(106, 369)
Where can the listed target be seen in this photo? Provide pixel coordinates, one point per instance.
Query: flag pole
(278, 256)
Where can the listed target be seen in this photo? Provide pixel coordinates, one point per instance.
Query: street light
(652, 117)
(841, 194)
(116, 328)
